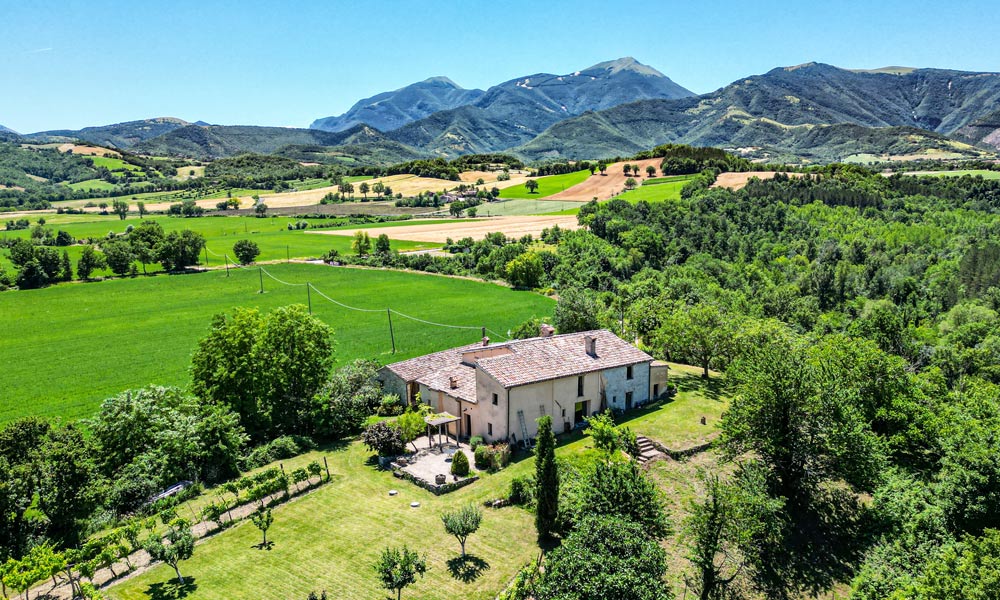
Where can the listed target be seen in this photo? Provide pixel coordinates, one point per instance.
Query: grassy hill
(90, 341)
(118, 135)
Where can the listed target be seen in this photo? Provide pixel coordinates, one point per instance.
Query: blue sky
(69, 63)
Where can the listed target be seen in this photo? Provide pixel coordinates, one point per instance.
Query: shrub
(386, 440)
(483, 457)
(501, 456)
(390, 406)
(460, 464)
(246, 251)
(626, 437)
(521, 490)
(475, 442)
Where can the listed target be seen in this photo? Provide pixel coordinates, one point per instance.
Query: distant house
(499, 390)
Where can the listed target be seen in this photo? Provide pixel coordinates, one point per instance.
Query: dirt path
(605, 186)
(514, 227)
(141, 561)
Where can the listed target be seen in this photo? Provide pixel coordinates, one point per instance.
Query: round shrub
(483, 457)
(460, 464)
(520, 490)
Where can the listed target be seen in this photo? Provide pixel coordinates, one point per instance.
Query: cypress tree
(546, 479)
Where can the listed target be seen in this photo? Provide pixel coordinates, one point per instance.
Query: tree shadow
(467, 568)
(264, 545)
(171, 590)
(714, 388)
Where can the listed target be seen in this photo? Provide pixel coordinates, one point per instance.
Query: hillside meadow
(547, 186)
(67, 347)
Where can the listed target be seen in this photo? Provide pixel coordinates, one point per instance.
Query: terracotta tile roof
(542, 359)
(465, 378)
(529, 361)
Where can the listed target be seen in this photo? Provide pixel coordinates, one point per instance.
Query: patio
(433, 459)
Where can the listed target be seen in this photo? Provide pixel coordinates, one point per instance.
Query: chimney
(545, 330)
(486, 341)
(591, 344)
(453, 382)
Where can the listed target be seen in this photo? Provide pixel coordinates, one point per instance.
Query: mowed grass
(548, 185)
(67, 347)
(328, 539)
(113, 164)
(656, 190)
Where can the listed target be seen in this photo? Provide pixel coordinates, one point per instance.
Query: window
(564, 412)
(495, 399)
(628, 372)
(579, 385)
(489, 428)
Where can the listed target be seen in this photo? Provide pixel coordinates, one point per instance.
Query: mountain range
(814, 112)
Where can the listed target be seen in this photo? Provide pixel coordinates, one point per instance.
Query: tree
(546, 479)
(627, 168)
(411, 426)
(179, 546)
(604, 558)
(650, 171)
(785, 413)
(65, 267)
(262, 520)
(141, 207)
(531, 185)
(363, 188)
(378, 188)
(119, 256)
(120, 208)
(362, 244)
(724, 527)
(90, 261)
(144, 239)
(383, 245)
(266, 368)
(260, 210)
(246, 251)
(398, 568)
(179, 250)
(698, 334)
(601, 428)
(630, 184)
(384, 439)
(621, 488)
(966, 569)
(575, 311)
(525, 271)
(462, 523)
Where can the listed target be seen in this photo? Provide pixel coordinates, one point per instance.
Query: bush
(280, 448)
(390, 406)
(521, 490)
(460, 464)
(475, 442)
(501, 456)
(626, 437)
(246, 251)
(483, 457)
(386, 440)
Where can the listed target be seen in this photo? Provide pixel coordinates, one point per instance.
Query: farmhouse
(499, 390)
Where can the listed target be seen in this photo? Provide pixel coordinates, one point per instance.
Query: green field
(92, 184)
(660, 188)
(985, 174)
(527, 207)
(113, 164)
(272, 235)
(551, 184)
(322, 541)
(67, 347)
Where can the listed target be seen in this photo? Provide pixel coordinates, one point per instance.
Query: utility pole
(392, 336)
(260, 270)
(227, 264)
(206, 256)
(309, 297)
(288, 257)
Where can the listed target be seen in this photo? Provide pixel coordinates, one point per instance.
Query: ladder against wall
(524, 429)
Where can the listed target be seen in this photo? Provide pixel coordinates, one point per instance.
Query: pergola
(438, 420)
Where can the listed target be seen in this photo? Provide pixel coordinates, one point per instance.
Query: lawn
(322, 541)
(655, 190)
(551, 184)
(67, 347)
(113, 164)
